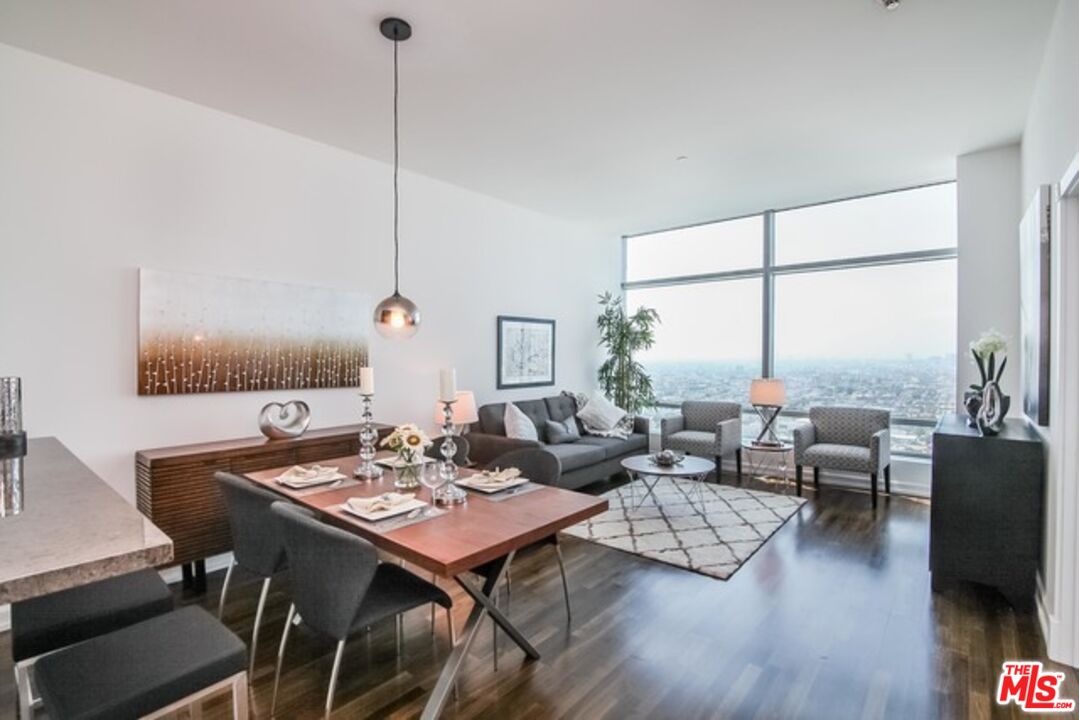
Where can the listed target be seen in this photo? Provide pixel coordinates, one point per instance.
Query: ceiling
(581, 109)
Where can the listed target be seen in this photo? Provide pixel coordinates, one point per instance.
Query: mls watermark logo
(1032, 689)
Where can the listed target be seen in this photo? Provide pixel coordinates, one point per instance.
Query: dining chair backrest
(257, 544)
(331, 569)
(460, 456)
(536, 464)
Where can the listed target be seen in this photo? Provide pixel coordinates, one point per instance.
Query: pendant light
(396, 316)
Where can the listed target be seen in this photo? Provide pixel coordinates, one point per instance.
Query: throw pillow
(600, 413)
(518, 425)
(562, 431)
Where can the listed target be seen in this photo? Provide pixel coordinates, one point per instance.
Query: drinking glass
(431, 478)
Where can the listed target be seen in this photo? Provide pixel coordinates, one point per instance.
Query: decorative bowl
(667, 458)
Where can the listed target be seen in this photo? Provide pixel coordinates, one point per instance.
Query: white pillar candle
(447, 385)
(367, 381)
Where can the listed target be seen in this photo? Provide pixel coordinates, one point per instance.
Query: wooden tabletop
(468, 535)
(74, 529)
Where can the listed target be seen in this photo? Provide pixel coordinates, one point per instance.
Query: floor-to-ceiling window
(850, 302)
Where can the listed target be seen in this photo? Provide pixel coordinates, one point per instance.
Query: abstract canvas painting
(525, 352)
(203, 334)
(1034, 267)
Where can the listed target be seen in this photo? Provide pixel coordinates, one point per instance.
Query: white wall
(99, 177)
(988, 268)
(1050, 142)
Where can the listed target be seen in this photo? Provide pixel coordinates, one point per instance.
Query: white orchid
(991, 342)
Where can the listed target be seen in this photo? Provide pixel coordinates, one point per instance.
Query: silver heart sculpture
(277, 421)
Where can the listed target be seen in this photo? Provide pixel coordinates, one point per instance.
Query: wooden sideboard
(175, 485)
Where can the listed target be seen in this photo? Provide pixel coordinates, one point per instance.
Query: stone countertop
(74, 529)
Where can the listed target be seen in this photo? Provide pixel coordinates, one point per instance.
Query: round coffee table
(641, 467)
(769, 458)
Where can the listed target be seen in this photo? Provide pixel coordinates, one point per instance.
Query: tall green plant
(624, 381)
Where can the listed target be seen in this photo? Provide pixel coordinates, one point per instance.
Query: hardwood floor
(832, 618)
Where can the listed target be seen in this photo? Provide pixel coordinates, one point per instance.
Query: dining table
(485, 530)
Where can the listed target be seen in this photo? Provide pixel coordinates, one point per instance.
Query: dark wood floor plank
(832, 618)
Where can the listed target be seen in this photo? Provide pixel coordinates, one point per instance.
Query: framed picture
(1034, 236)
(525, 352)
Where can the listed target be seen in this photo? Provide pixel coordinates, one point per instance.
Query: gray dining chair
(460, 457)
(257, 544)
(543, 468)
(340, 587)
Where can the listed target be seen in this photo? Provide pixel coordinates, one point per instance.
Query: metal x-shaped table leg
(484, 599)
(650, 488)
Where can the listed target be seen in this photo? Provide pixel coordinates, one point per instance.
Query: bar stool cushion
(59, 619)
(141, 668)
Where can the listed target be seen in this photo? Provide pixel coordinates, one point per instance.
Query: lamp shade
(464, 410)
(769, 392)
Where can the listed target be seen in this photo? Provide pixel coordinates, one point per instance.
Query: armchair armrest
(728, 435)
(880, 449)
(484, 447)
(670, 425)
(805, 435)
(642, 425)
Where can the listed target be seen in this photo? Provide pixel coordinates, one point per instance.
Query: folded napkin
(299, 475)
(385, 501)
(496, 477)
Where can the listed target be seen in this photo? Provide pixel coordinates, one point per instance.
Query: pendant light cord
(396, 221)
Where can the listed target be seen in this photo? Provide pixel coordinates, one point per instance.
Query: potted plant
(985, 351)
(409, 442)
(623, 379)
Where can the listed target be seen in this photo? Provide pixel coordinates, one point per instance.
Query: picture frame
(526, 352)
(1034, 305)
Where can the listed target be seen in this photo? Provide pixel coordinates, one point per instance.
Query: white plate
(301, 484)
(467, 482)
(396, 464)
(405, 507)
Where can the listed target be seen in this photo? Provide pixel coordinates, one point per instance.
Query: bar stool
(47, 623)
(146, 670)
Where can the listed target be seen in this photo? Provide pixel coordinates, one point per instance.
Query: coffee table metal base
(651, 488)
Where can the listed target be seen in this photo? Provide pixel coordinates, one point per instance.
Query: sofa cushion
(576, 455)
(491, 416)
(616, 447)
(600, 413)
(838, 457)
(559, 432)
(518, 425)
(561, 407)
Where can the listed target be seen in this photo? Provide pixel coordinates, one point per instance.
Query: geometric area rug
(675, 528)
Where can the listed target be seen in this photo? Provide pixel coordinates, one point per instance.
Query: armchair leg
(738, 463)
(816, 478)
(798, 479)
(719, 468)
(873, 484)
(888, 479)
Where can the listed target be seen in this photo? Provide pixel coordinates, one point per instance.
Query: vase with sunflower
(409, 442)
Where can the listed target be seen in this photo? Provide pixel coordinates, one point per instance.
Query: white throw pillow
(518, 426)
(600, 413)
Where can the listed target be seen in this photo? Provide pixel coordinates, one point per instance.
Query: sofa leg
(888, 479)
(719, 467)
(816, 477)
(738, 463)
(873, 485)
(798, 479)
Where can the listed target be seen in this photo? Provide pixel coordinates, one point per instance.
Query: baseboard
(849, 481)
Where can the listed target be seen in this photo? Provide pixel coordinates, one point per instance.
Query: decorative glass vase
(408, 471)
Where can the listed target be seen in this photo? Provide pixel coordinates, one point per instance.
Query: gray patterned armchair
(706, 429)
(845, 438)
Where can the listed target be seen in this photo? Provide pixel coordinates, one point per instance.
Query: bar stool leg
(224, 591)
(258, 622)
(281, 656)
(333, 676)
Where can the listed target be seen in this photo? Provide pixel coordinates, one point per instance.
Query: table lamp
(767, 396)
(464, 411)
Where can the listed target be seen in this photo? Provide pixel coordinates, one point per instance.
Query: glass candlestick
(12, 446)
(449, 493)
(367, 469)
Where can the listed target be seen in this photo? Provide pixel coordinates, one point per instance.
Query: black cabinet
(986, 514)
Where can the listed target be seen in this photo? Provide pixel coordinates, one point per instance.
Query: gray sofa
(585, 461)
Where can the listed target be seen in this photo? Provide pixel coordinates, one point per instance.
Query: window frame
(769, 270)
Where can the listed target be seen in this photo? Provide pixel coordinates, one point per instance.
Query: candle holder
(12, 447)
(367, 469)
(449, 493)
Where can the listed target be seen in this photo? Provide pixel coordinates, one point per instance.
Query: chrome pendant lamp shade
(396, 316)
